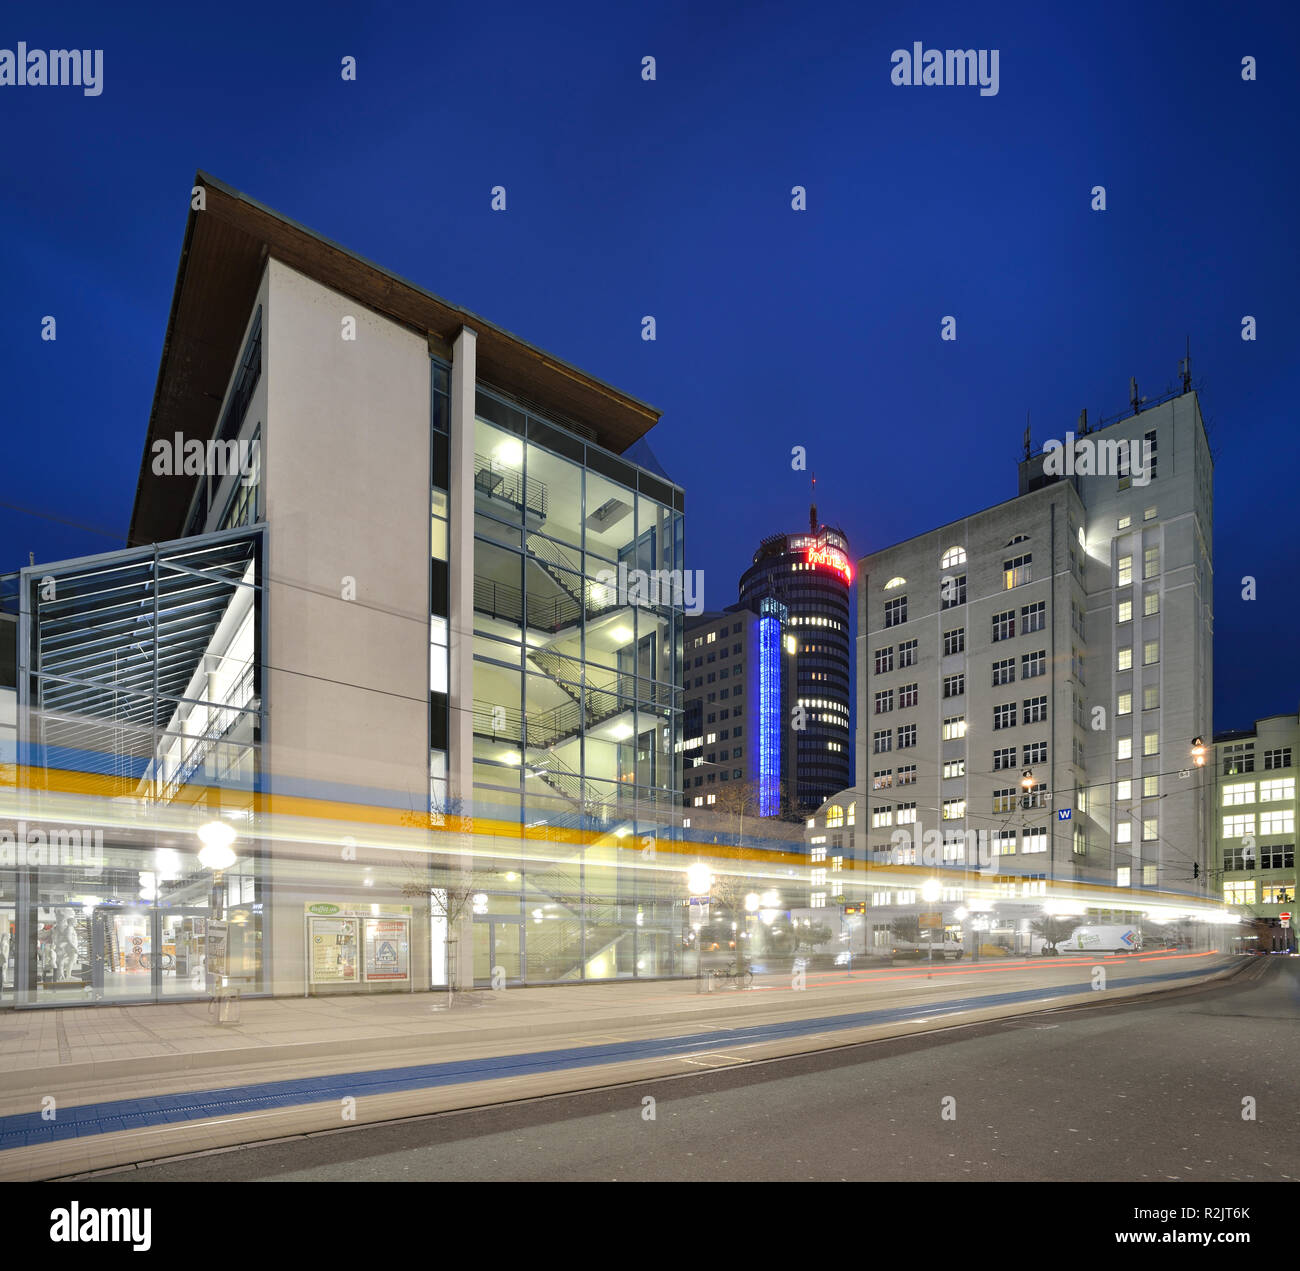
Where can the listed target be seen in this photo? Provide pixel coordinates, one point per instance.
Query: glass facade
(136, 698)
(578, 627)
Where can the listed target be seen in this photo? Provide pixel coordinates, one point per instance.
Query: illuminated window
(1124, 791)
(1150, 787)
(1124, 832)
(1124, 704)
(954, 809)
(1125, 575)
(834, 816)
(1125, 611)
(1150, 697)
(1123, 876)
(1150, 562)
(1235, 827)
(1281, 789)
(1150, 743)
(1017, 571)
(954, 727)
(895, 582)
(953, 556)
(1125, 660)
(1239, 893)
(1150, 652)
(1281, 822)
(1124, 748)
(1151, 603)
(906, 813)
(1150, 829)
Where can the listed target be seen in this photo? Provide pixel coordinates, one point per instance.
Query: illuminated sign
(769, 715)
(831, 558)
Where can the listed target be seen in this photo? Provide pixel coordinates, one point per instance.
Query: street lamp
(216, 855)
(1198, 751)
(931, 890)
(216, 852)
(699, 882)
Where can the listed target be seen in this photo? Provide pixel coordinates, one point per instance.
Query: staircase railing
(496, 481)
(221, 719)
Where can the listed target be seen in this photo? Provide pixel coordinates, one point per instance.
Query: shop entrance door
(145, 953)
(498, 942)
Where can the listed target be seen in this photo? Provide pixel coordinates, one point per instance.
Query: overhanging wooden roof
(225, 250)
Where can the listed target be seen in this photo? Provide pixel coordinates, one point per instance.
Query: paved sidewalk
(94, 1056)
(73, 1045)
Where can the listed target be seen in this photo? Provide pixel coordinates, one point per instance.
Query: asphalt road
(1152, 1090)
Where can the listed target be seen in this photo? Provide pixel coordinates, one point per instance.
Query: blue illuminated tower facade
(739, 688)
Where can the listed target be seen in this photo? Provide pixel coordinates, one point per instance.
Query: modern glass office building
(404, 622)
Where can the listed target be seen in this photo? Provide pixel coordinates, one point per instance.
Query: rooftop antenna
(1133, 399)
(1083, 422)
(1027, 443)
(812, 510)
(1185, 368)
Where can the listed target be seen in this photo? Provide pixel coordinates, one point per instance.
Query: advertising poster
(332, 950)
(387, 949)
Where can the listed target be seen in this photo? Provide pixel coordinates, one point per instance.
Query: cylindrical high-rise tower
(811, 574)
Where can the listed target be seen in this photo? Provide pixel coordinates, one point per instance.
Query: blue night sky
(672, 198)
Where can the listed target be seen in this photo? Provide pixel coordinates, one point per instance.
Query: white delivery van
(1106, 938)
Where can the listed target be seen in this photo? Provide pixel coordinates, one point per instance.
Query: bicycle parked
(742, 978)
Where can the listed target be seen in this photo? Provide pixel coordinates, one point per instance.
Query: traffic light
(1196, 869)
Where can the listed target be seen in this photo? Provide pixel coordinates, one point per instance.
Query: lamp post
(752, 903)
(699, 882)
(216, 855)
(931, 890)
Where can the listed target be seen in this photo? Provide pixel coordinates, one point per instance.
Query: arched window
(853, 813)
(895, 582)
(834, 816)
(953, 556)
